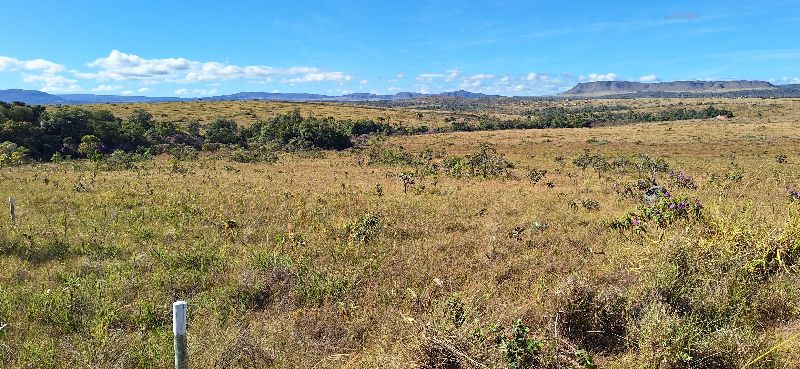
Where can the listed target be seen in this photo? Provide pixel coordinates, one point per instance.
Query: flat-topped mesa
(626, 87)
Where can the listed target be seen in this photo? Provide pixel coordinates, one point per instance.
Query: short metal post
(179, 331)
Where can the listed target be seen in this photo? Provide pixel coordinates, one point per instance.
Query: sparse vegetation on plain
(322, 238)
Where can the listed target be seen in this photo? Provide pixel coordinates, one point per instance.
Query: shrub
(364, 126)
(11, 154)
(536, 175)
(663, 211)
(681, 180)
(224, 131)
(121, 160)
(256, 155)
(486, 163)
(519, 350)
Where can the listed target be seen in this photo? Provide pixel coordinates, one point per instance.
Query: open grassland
(432, 112)
(422, 251)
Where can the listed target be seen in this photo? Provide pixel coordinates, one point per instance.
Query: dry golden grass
(283, 265)
(433, 113)
(247, 112)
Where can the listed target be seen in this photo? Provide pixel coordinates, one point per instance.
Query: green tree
(223, 131)
(90, 146)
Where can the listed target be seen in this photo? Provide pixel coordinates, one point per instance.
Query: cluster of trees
(559, 117)
(76, 132)
(31, 131)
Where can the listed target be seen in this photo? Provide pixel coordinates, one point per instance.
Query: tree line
(33, 132)
(72, 132)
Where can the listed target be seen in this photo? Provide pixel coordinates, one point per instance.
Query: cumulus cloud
(649, 78)
(594, 77)
(47, 76)
(181, 91)
(39, 65)
(120, 66)
(53, 82)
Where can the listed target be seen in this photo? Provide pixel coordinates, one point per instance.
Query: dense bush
(293, 131)
(486, 163)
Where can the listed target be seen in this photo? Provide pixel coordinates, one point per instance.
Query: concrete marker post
(179, 332)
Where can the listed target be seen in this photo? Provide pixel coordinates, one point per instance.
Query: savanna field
(460, 242)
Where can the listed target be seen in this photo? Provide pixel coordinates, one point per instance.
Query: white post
(11, 205)
(179, 332)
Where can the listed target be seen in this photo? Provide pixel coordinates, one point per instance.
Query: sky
(514, 48)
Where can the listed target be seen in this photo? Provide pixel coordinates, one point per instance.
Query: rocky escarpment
(624, 87)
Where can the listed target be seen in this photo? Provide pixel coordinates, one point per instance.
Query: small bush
(11, 154)
(486, 163)
(257, 155)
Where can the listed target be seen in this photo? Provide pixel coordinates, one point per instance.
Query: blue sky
(203, 48)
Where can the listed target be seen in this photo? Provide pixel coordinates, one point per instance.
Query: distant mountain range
(39, 97)
(602, 88)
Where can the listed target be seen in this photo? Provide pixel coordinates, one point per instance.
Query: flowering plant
(682, 180)
(664, 211)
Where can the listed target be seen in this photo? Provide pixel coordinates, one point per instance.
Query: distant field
(419, 251)
(431, 112)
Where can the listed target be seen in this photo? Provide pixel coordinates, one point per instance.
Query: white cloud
(449, 76)
(785, 80)
(48, 74)
(119, 66)
(594, 77)
(106, 88)
(195, 92)
(491, 83)
(363, 82)
(40, 65)
(145, 89)
(475, 80)
(53, 82)
(320, 77)
(127, 92)
(649, 78)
